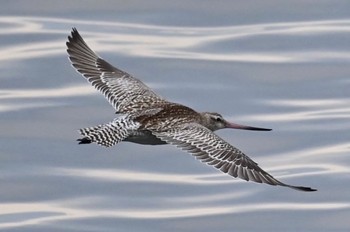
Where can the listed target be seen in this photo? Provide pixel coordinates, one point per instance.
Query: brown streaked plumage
(146, 118)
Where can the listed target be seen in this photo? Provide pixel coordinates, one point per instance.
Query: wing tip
(73, 37)
(302, 188)
(74, 33)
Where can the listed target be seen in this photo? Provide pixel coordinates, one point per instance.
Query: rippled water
(289, 74)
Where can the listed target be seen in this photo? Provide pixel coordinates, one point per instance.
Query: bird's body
(146, 118)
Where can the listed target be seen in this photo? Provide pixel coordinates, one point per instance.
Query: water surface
(289, 73)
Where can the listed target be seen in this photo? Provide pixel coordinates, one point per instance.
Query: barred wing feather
(124, 92)
(213, 150)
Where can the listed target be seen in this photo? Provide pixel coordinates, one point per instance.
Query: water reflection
(177, 42)
(309, 109)
(67, 91)
(38, 213)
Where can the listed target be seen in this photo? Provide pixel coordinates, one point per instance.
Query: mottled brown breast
(169, 116)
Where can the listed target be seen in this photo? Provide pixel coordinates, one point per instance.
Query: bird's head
(215, 121)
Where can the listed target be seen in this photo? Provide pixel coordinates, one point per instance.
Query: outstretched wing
(213, 150)
(124, 92)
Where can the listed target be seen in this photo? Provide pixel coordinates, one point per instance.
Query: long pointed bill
(243, 127)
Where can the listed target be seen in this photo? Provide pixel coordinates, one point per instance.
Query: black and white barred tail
(109, 134)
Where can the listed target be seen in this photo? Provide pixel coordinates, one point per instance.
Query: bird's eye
(218, 119)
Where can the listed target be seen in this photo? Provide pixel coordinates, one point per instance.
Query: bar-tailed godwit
(146, 118)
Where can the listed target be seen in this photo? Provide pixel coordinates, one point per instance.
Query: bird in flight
(146, 118)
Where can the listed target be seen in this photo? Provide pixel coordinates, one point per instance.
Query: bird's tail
(108, 134)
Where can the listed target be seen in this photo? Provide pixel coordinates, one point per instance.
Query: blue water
(274, 64)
